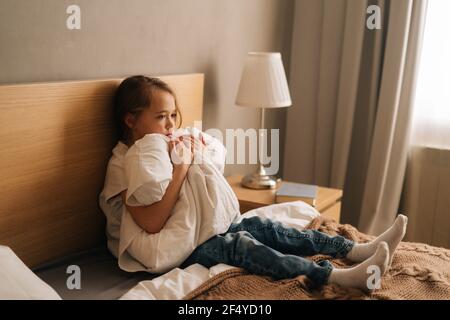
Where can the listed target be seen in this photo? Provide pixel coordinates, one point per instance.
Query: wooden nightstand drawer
(328, 200)
(333, 212)
(245, 206)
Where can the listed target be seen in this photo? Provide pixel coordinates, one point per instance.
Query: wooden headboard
(55, 142)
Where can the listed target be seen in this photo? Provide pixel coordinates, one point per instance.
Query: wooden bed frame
(55, 141)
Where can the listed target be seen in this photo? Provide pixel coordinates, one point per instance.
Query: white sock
(392, 236)
(357, 276)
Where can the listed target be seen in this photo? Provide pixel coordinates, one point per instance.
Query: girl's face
(160, 117)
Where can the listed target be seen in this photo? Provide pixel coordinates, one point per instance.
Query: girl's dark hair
(132, 96)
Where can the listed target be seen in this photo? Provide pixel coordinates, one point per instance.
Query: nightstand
(328, 200)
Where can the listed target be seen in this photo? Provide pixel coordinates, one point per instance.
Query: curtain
(425, 196)
(431, 121)
(352, 89)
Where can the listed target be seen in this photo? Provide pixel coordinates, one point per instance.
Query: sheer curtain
(431, 120)
(426, 194)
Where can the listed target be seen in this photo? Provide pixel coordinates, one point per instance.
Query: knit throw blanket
(418, 271)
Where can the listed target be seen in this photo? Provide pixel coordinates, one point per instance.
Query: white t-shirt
(110, 199)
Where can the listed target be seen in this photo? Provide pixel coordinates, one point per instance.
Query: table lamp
(263, 85)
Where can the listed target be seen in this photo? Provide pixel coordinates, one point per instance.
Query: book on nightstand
(292, 191)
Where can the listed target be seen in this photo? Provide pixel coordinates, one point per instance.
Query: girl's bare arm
(153, 217)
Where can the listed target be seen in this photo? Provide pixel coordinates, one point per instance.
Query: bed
(56, 139)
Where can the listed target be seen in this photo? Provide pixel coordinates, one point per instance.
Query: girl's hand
(199, 143)
(181, 156)
(202, 140)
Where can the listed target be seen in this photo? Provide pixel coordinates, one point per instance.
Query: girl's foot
(357, 276)
(392, 236)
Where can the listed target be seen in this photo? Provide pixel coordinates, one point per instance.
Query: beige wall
(120, 38)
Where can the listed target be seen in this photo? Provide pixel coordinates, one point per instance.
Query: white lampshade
(263, 82)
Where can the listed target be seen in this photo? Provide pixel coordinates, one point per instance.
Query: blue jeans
(265, 247)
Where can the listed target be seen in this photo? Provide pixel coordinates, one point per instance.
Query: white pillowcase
(18, 282)
(206, 205)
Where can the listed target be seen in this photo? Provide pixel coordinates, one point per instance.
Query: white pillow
(294, 214)
(18, 282)
(149, 169)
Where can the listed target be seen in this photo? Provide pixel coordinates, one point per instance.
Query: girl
(147, 105)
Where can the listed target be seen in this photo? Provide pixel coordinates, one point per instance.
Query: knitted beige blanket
(418, 271)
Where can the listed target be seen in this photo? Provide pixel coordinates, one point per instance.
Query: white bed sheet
(177, 283)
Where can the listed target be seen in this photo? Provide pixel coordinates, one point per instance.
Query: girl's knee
(239, 241)
(255, 221)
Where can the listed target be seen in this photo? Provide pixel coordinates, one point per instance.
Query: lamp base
(258, 181)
